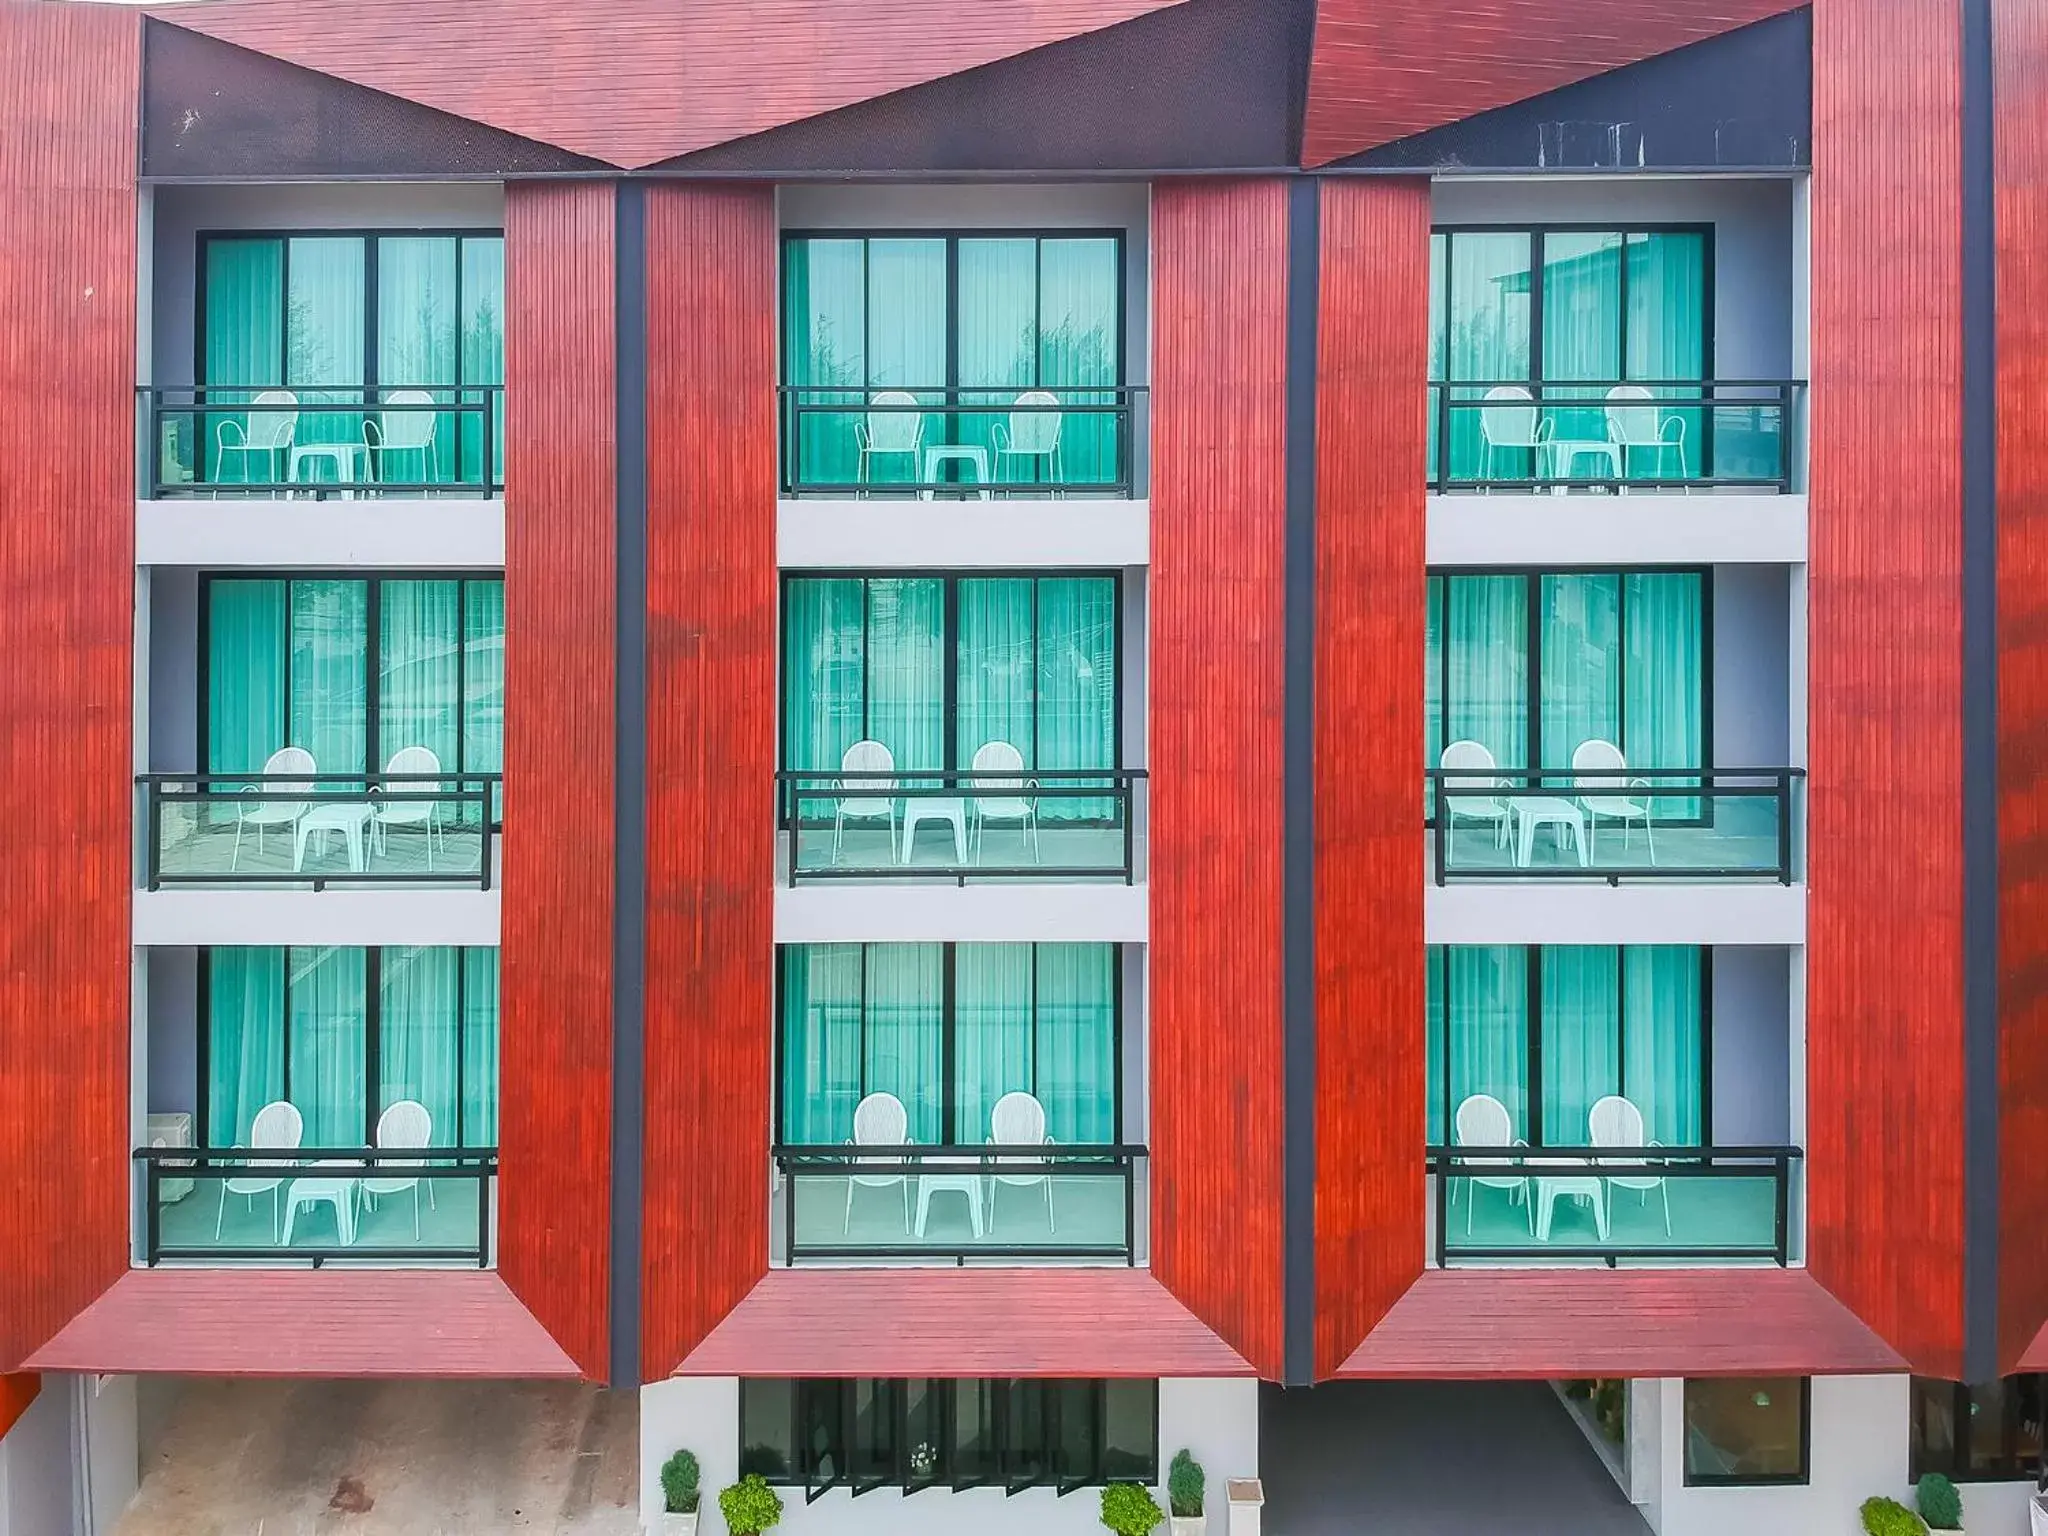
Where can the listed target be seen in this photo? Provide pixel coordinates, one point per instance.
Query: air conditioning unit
(174, 1130)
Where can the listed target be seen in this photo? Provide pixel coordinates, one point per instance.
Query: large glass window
(1983, 1431)
(1012, 1433)
(948, 1030)
(353, 671)
(985, 316)
(343, 1034)
(1549, 1031)
(1746, 1429)
(347, 320)
(1606, 307)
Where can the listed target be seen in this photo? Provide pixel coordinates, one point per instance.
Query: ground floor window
(922, 1432)
(1746, 1429)
(1980, 1431)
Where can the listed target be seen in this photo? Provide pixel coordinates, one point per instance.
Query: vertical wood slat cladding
(1219, 254)
(16, 1393)
(2020, 62)
(1371, 452)
(560, 601)
(710, 757)
(1885, 1196)
(70, 80)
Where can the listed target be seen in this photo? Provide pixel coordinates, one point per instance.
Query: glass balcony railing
(318, 829)
(958, 1204)
(425, 1205)
(323, 441)
(962, 825)
(1613, 435)
(1076, 440)
(1612, 1205)
(1623, 824)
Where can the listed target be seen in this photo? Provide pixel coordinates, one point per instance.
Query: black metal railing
(322, 440)
(318, 829)
(958, 1204)
(1615, 824)
(317, 1205)
(1700, 1204)
(996, 824)
(1061, 440)
(1661, 434)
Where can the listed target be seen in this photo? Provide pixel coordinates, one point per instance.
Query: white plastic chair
(879, 1120)
(269, 433)
(1475, 768)
(866, 757)
(1005, 809)
(408, 1123)
(1616, 1122)
(398, 806)
(1606, 794)
(277, 1126)
(1483, 1121)
(290, 761)
(1033, 435)
(1643, 425)
(402, 432)
(1515, 426)
(1018, 1120)
(886, 432)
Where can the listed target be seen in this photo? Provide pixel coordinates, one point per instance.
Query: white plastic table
(322, 1189)
(341, 455)
(348, 818)
(946, 808)
(1566, 452)
(1533, 811)
(968, 1184)
(1550, 1189)
(960, 453)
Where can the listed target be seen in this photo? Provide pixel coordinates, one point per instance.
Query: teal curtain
(419, 1045)
(245, 674)
(245, 1039)
(420, 341)
(1479, 1029)
(821, 1067)
(324, 340)
(1581, 1038)
(824, 337)
(1080, 328)
(1666, 336)
(483, 348)
(421, 633)
(483, 679)
(1662, 1047)
(1581, 333)
(824, 673)
(1075, 1045)
(996, 667)
(1076, 683)
(1579, 688)
(905, 681)
(906, 340)
(243, 348)
(994, 1048)
(329, 658)
(325, 1021)
(1486, 336)
(1664, 704)
(1439, 340)
(905, 1031)
(480, 1048)
(1485, 635)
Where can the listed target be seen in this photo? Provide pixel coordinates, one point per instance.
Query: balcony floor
(206, 851)
(1705, 1213)
(448, 1219)
(1743, 836)
(1089, 1211)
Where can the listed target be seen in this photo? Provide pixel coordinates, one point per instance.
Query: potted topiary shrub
(750, 1506)
(679, 1495)
(1888, 1517)
(1130, 1510)
(1938, 1502)
(1186, 1490)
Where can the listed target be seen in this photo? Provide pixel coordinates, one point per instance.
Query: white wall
(1585, 912)
(70, 1465)
(35, 1467)
(1216, 1419)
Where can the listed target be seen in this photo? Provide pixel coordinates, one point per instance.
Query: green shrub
(1130, 1510)
(1888, 1517)
(1186, 1485)
(1939, 1503)
(679, 1483)
(750, 1506)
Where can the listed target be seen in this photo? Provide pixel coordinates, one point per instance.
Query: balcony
(1615, 825)
(322, 443)
(314, 829)
(317, 1206)
(962, 826)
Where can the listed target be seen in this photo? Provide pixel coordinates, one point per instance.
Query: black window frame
(373, 1030)
(949, 1114)
(1958, 1467)
(1799, 1479)
(1437, 956)
(1003, 1409)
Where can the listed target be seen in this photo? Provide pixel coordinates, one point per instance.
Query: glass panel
(1076, 1044)
(244, 345)
(419, 667)
(976, 1457)
(1487, 994)
(325, 1021)
(1026, 1454)
(480, 1048)
(1745, 1429)
(330, 649)
(1663, 703)
(1661, 1045)
(992, 998)
(1076, 676)
(825, 343)
(997, 667)
(483, 682)
(419, 1040)
(824, 673)
(871, 1436)
(1079, 339)
(324, 352)
(483, 349)
(1487, 339)
(245, 674)
(1581, 340)
(821, 1042)
(245, 1039)
(1666, 344)
(821, 1433)
(906, 689)
(924, 1431)
(419, 347)
(767, 1425)
(1581, 1038)
(1130, 1431)
(1581, 675)
(906, 349)
(1487, 694)
(1076, 1463)
(905, 1025)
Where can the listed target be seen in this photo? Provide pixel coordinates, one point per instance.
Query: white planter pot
(1188, 1525)
(676, 1525)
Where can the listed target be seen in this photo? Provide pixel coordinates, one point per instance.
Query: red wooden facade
(555, 1059)
(68, 91)
(1219, 296)
(1381, 72)
(16, 1393)
(711, 708)
(1371, 366)
(1884, 1086)
(2020, 29)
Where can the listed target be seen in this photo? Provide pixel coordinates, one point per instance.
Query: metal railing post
(1443, 816)
(1130, 811)
(152, 1211)
(483, 1216)
(484, 836)
(153, 817)
(1130, 1210)
(1784, 1192)
(1784, 826)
